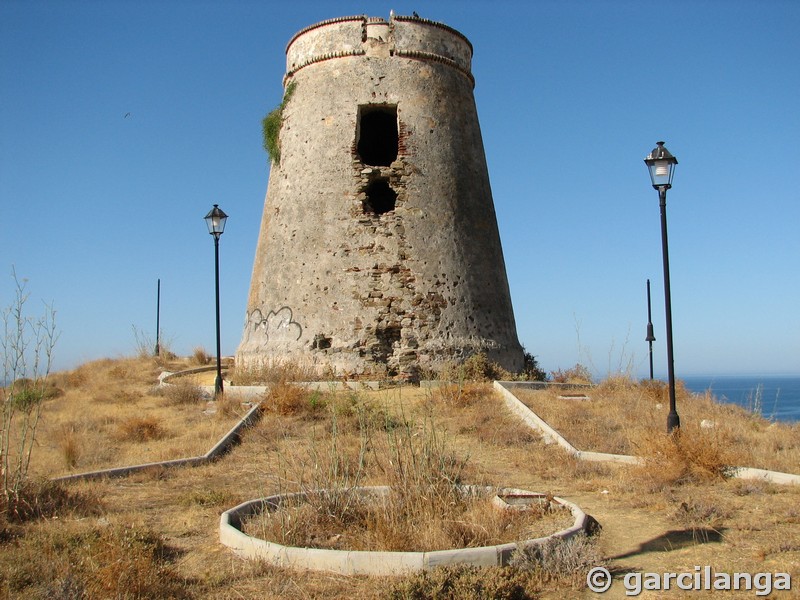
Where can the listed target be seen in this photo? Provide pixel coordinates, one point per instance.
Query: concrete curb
(354, 562)
(764, 475)
(550, 435)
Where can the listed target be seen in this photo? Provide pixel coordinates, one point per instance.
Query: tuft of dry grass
(183, 392)
(69, 443)
(285, 398)
(271, 372)
(345, 518)
(475, 368)
(688, 454)
(579, 374)
(42, 499)
(200, 356)
(466, 583)
(206, 497)
(560, 561)
(228, 406)
(140, 429)
(461, 395)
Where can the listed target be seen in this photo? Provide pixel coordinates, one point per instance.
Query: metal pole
(158, 318)
(673, 421)
(650, 335)
(218, 381)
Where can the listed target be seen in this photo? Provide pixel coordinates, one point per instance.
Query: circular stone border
(361, 562)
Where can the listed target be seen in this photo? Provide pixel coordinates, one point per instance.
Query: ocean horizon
(775, 397)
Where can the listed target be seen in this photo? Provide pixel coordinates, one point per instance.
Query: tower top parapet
(410, 37)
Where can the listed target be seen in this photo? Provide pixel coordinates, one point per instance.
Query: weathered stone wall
(347, 276)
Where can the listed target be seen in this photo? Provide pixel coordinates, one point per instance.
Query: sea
(775, 397)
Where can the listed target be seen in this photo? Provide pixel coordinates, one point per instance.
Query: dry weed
(466, 583)
(38, 499)
(288, 399)
(688, 455)
(272, 372)
(351, 519)
(560, 561)
(205, 497)
(701, 516)
(69, 443)
(461, 395)
(229, 406)
(183, 393)
(476, 368)
(200, 356)
(140, 429)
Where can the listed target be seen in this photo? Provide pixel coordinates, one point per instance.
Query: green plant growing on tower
(271, 126)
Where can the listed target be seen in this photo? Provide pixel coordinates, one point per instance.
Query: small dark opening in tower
(381, 198)
(386, 337)
(377, 134)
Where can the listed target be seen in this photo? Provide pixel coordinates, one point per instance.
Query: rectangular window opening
(377, 134)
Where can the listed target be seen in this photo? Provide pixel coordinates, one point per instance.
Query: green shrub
(531, 371)
(271, 126)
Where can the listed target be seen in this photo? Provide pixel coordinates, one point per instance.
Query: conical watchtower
(379, 251)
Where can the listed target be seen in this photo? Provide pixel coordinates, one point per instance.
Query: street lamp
(662, 167)
(215, 219)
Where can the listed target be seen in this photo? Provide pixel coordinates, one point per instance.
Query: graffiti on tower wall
(276, 328)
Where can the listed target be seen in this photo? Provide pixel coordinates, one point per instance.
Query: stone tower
(379, 251)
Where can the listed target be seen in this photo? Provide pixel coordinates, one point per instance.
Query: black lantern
(662, 166)
(215, 219)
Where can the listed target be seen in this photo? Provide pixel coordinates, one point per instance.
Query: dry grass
(389, 524)
(38, 499)
(76, 560)
(183, 392)
(271, 372)
(108, 414)
(68, 439)
(201, 357)
(140, 429)
(288, 399)
(626, 417)
(426, 507)
(160, 528)
(228, 406)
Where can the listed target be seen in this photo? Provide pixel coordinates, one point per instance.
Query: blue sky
(571, 96)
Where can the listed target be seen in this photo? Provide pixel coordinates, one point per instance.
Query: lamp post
(215, 219)
(158, 319)
(661, 165)
(650, 335)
